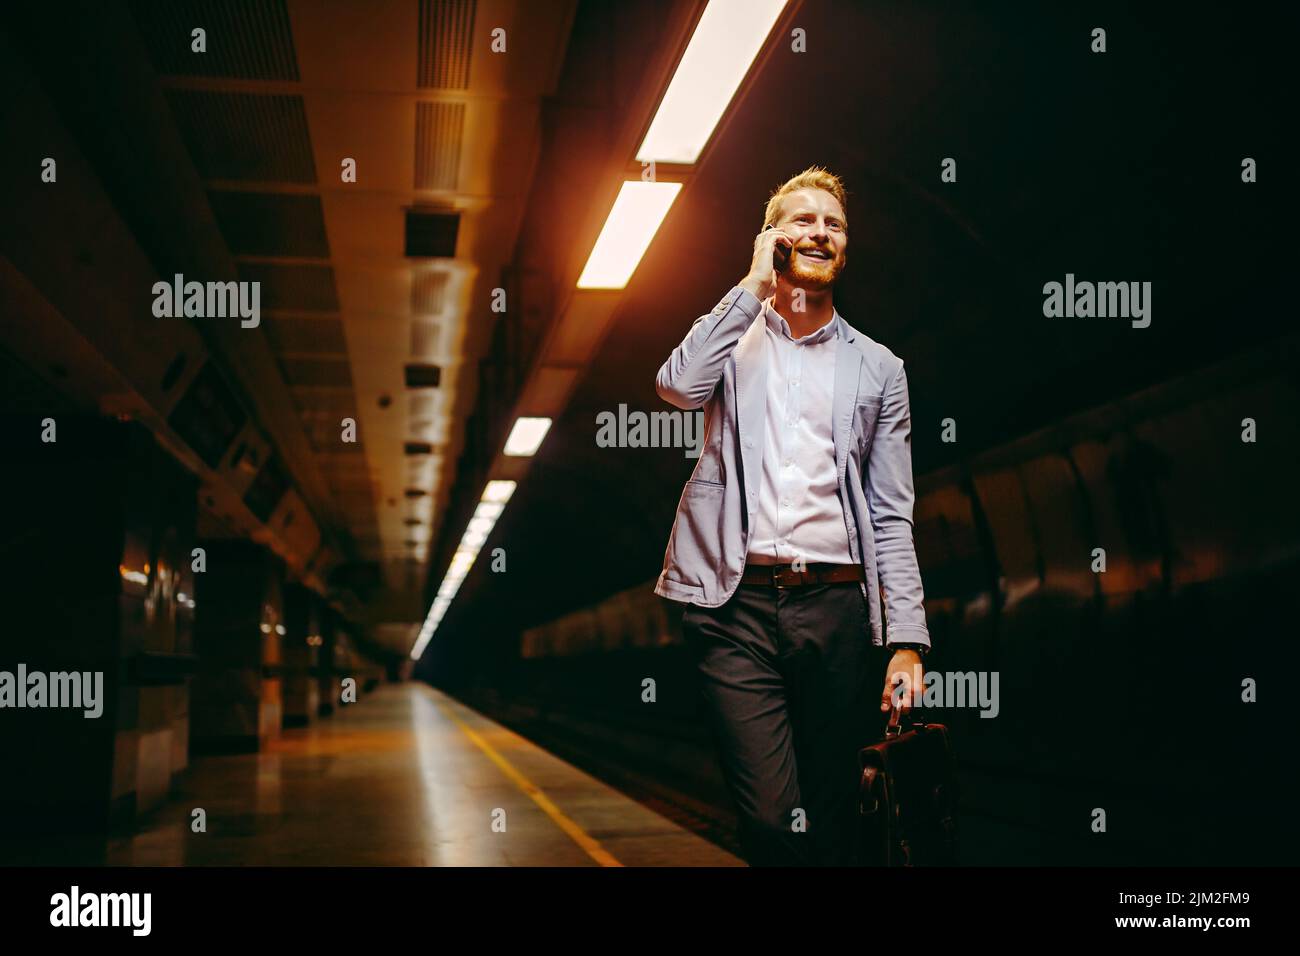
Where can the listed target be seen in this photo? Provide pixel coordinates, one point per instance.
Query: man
(799, 511)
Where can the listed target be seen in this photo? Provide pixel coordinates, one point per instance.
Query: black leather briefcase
(908, 797)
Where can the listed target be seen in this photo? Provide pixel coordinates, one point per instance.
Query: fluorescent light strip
(527, 436)
(491, 503)
(722, 49)
(632, 223)
(498, 491)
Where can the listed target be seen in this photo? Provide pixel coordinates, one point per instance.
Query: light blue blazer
(720, 367)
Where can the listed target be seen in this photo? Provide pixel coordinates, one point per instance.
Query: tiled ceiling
(299, 335)
(250, 39)
(271, 224)
(247, 137)
(291, 287)
(374, 292)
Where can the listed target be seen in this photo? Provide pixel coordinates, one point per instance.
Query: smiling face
(815, 220)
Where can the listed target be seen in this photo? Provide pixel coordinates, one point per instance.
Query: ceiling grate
(317, 372)
(439, 131)
(431, 233)
(423, 376)
(294, 336)
(249, 137)
(248, 39)
(418, 468)
(428, 292)
(422, 406)
(446, 41)
(293, 288)
(271, 224)
(334, 405)
(424, 339)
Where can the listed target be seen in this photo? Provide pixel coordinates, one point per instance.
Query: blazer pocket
(698, 486)
(695, 547)
(866, 412)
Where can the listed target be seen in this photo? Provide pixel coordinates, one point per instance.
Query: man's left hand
(905, 669)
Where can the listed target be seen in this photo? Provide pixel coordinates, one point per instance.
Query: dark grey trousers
(791, 684)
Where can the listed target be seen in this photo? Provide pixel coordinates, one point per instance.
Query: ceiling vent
(439, 129)
(290, 335)
(431, 233)
(271, 224)
(317, 372)
(446, 37)
(250, 137)
(422, 406)
(424, 339)
(248, 39)
(423, 376)
(293, 288)
(428, 292)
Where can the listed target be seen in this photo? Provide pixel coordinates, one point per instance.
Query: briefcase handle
(895, 726)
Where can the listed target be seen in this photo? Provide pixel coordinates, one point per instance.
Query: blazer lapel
(848, 366)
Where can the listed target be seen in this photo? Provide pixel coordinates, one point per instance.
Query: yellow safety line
(579, 836)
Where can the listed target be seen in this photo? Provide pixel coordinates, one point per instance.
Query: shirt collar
(779, 326)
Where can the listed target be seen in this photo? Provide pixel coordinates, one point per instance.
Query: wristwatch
(919, 648)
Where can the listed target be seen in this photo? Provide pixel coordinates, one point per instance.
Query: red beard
(821, 275)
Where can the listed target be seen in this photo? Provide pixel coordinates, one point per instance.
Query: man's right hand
(761, 281)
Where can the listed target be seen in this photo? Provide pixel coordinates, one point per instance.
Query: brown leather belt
(784, 575)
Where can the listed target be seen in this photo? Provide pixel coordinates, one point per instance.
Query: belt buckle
(780, 570)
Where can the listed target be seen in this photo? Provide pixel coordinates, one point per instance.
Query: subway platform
(405, 777)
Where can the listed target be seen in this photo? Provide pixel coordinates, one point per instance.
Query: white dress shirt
(799, 512)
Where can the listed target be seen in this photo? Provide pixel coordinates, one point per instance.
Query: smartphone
(780, 255)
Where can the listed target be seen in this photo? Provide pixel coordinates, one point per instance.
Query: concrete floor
(405, 777)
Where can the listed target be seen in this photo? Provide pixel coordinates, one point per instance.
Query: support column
(301, 645)
(236, 701)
